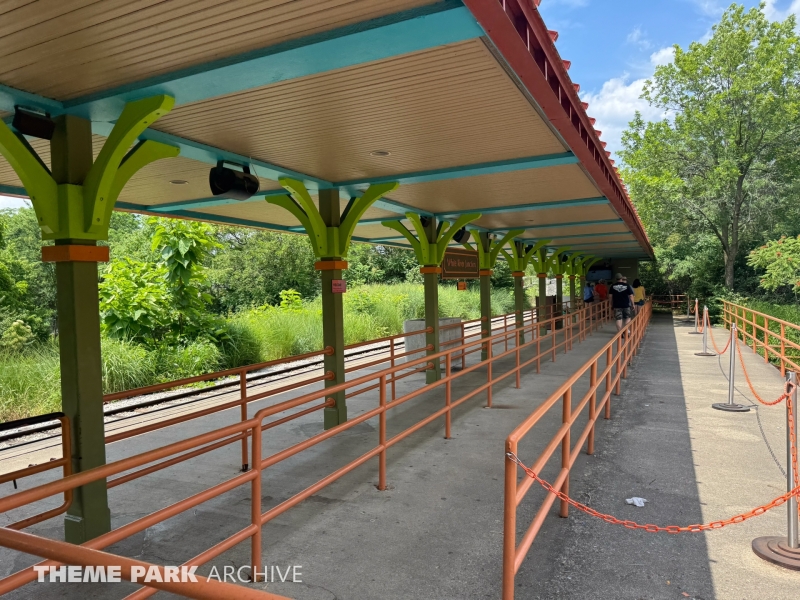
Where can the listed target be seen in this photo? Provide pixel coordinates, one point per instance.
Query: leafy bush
(781, 261)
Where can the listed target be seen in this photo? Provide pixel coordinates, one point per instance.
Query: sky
(615, 45)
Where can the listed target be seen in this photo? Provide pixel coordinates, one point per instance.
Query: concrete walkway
(694, 465)
(437, 532)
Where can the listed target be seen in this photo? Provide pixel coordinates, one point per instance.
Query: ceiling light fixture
(380, 153)
(179, 182)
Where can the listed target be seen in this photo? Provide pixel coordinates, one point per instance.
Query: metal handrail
(590, 317)
(618, 353)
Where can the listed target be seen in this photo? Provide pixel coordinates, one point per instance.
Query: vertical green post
(431, 283)
(559, 309)
(541, 302)
(519, 304)
(574, 303)
(486, 294)
(79, 344)
(332, 313)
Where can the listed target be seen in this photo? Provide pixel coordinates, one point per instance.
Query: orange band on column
(541, 275)
(75, 253)
(518, 274)
(559, 277)
(485, 272)
(330, 265)
(426, 270)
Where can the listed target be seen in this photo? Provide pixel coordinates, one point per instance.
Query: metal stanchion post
(706, 325)
(688, 306)
(730, 405)
(696, 317)
(785, 551)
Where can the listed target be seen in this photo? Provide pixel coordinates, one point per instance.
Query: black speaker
(238, 185)
(33, 124)
(461, 236)
(528, 248)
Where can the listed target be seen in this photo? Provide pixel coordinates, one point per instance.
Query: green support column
(518, 260)
(429, 246)
(574, 304)
(519, 303)
(330, 269)
(488, 250)
(330, 232)
(73, 206)
(541, 302)
(485, 275)
(430, 279)
(559, 300)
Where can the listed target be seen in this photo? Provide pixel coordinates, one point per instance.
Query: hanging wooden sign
(462, 286)
(460, 264)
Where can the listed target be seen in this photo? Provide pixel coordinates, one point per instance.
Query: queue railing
(603, 375)
(524, 355)
(776, 340)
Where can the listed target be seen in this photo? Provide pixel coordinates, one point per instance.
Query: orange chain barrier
(649, 527)
(713, 343)
(786, 392)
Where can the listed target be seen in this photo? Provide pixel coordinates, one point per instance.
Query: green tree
(184, 247)
(780, 259)
(720, 161)
(254, 266)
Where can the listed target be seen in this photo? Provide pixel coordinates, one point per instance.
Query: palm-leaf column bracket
(330, 232)
(542, 262)
(570, 270)
(488, 250)
(581, 269)
(429, 245)
(559, 267)
(518, 259)
(73, 203)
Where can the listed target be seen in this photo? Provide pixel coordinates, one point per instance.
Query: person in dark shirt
(621, 301)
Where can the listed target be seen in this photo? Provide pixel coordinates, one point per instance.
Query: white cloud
(637, 37)
(614, 106)
(663, 56)
(773, 13)
(11, 202)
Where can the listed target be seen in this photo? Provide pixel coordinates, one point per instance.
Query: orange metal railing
(774, 339)
(671, 301)
(578, 325)
(603, 375)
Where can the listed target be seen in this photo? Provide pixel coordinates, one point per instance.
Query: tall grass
(30, 381)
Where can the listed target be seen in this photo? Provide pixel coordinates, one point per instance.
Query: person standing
(588, 293)
(622, 301)
(638, 294)
(601, 290)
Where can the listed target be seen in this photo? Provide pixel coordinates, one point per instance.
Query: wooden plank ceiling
(433, 110)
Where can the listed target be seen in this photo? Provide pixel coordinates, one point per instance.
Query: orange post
(619, 366)
(509, 524)
(382, 431)
(243, 411)
(391, 361)
(592, 406)
(489, 375)
(255, 501)
(566, 448)
(448, 395)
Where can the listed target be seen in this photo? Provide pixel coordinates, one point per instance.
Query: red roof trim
(517, 30)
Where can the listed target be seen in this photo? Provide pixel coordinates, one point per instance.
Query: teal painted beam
(605, 245)
(209, 202)
(525, 207)
(392, 35)
(504, 166)
(584, 235)
(577, 224)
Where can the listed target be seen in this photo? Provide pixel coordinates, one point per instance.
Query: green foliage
(721, 165)
(252, 268)
(379, 264)
(291, 300)
(781, 261)
(134, 301)
(16, 337)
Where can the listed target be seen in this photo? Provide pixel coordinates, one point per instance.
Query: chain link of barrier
(651, 528)
(713, 343)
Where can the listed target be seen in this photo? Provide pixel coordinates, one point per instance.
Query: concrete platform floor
(437, 532)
